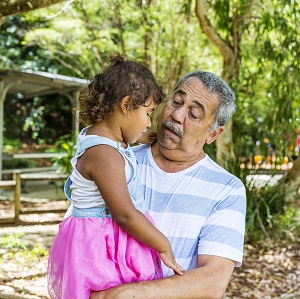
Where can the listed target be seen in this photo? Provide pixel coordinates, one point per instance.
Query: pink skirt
(93, 254)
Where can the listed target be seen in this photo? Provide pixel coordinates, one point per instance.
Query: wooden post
(17, 195)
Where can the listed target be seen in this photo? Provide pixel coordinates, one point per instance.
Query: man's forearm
(197, 283)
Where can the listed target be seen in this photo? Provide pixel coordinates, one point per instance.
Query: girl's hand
(169, 260)
(147, 137)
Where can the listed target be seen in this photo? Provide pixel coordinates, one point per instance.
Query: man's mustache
(173, 127)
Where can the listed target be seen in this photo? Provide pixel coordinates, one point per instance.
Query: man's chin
(168, 142)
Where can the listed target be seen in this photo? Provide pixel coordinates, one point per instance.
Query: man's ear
(213, 135)
(124, 104)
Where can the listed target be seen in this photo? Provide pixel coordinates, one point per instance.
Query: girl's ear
(124, 105)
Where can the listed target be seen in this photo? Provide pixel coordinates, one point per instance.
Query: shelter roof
(31, 84)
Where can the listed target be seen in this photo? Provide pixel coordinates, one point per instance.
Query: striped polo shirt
(200, 209)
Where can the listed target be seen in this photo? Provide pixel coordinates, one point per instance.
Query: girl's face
(137, 121)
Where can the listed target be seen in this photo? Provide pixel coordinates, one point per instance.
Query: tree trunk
(120, 26)
(225, 152)
(230, 50)
(290, 183)
(224, 141)
(12, 7)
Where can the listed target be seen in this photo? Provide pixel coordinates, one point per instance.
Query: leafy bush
(263, 204)
(287, 225)
(13, 241)
(19, 249)
(66, 144)
(10, 145)
(267, 211)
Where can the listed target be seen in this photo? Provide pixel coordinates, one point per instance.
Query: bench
(15, 185)
(51, 177)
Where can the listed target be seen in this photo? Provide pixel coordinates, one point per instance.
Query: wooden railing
(15, 185)
(32, 156)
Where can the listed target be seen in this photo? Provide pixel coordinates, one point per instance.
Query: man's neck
(174, 160)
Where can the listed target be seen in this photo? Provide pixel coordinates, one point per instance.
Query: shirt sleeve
(223, 231)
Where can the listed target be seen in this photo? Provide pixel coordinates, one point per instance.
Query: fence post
(17, 195)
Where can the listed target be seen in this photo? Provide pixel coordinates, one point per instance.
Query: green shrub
(10, 145)
(65, 144)
(287, 225)
(264, 203)
(20, 250)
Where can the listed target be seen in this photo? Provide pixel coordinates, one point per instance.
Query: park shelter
(30, 84)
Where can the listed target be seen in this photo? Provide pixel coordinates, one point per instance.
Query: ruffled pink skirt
(93, 254)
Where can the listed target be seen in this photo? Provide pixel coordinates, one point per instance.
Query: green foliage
(268, 89)
(65, 144)
(164, 35)
(287, 225)
(40, 120)
(222, 12)
(10, 145)
(210, 149)
(78, 42)
(263, 204)
(13, 241)
(267, 213)
(82, 38)
(15, 53)
(15, 248)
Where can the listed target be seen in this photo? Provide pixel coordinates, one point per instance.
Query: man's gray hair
(220, 88)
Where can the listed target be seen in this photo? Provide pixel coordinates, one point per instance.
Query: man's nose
(178, 115)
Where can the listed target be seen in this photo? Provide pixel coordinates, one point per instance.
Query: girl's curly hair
(106, 90)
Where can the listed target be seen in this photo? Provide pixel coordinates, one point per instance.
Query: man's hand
(95, 295)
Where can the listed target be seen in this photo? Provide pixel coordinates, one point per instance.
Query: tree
(231, 19)
(78, 40)
(255, 39)
(83, 36)
(259, 44)
(12, 7)
(290, 183)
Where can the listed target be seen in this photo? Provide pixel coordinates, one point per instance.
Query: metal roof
(31, 84)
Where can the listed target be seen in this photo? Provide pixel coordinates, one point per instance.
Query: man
(198, 205)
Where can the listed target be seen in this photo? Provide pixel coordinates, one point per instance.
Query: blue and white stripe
(200, 209)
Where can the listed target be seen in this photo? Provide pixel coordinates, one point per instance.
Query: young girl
(110, 238)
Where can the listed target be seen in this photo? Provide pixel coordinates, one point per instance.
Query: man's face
(184, 123)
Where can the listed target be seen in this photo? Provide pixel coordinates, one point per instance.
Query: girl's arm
(105, 166)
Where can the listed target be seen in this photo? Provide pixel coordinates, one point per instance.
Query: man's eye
(194, 115)
(176, 102)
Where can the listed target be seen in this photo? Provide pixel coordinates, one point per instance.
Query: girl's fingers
(176, 268)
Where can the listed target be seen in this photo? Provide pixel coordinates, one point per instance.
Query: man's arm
(210, 280)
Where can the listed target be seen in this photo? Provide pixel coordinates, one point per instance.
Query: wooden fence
(15, 185)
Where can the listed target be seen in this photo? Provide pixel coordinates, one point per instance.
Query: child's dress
(91, 252)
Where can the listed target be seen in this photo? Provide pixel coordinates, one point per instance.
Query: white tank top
(85, 193)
